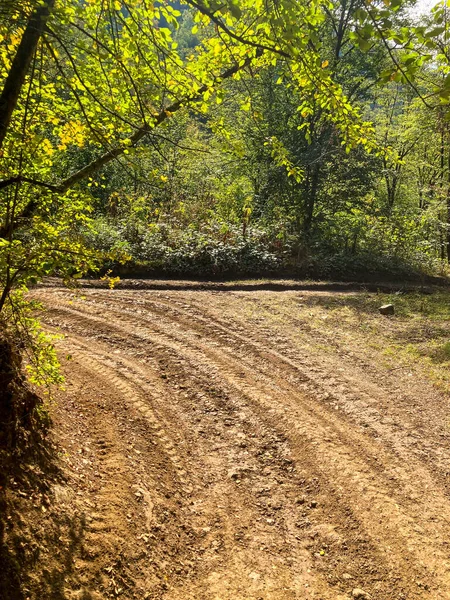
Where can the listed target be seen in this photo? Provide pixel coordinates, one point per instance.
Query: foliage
(203, 138)
(97, 78)
(42, 363)
(167, 249)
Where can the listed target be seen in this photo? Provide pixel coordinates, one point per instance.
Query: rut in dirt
(229, 462)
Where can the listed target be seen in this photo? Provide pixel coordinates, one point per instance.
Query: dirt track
(223, 449)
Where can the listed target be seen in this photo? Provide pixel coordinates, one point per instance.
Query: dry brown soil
(227, 444)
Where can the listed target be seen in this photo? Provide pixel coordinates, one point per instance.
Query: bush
(364, 266)
(212, 251)
(216, 249)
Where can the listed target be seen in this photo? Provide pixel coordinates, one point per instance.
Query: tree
(285, 126)
(102, 76)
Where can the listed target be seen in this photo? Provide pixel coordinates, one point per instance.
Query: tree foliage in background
(269, 158)
(205, 138)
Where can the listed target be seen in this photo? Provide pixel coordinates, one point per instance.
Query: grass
(416, 338)
(324, 318)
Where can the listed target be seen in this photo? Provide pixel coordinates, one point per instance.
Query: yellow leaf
(47, 147)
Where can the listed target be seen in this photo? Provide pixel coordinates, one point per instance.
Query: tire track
(357, 467)
(136, 397)
(85, 355)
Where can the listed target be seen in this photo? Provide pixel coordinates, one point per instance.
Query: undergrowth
(219, 250)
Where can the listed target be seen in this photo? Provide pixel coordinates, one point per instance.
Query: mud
(219, 447)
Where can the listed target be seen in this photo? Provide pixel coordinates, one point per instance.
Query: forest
(206, 140)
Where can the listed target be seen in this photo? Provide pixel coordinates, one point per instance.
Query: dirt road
(223, 446)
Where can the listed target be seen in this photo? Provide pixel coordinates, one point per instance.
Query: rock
(359, 593)
(387, 309)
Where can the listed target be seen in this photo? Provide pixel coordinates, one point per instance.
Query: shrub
(215, 250)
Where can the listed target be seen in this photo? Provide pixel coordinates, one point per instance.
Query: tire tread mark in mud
(352, 461)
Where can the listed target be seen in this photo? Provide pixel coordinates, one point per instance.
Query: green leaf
(434, 32)
(235, 11)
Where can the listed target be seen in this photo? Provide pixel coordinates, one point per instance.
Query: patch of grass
(435, 306)
(418, 336)
(440, 353)
(445, 349)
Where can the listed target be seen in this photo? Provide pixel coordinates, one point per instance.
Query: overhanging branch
(140, 133)
(114, 153)
(20, 178)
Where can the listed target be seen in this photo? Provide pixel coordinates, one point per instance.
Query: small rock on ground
(387, 309)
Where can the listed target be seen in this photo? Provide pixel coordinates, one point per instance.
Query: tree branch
(221, 25)
(140, 133)
(20, 178)
(112, 154)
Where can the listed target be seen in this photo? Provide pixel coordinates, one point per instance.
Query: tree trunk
(21, 63)
(310, 200)
(448, 207)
